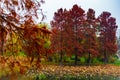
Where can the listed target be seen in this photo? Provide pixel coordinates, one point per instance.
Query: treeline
(79, 33)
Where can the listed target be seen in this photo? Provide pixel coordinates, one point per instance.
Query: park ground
(14, 67)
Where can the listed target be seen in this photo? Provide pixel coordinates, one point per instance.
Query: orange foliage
(15, 13)
(35, 39)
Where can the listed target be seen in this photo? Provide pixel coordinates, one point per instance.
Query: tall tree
(108, 29)
(58, 32)
(90, 29)
(68, 27)
(13, 13)
(77, 16)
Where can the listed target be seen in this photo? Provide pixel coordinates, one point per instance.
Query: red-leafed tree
(90, 28)
(13, 13)
(76, 36)
(67, 27)
(108, 29)
(57, 38)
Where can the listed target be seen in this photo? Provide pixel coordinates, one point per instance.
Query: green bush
(96, 60)
(82, 59)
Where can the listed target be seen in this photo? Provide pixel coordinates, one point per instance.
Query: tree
(77, 16)
(90, 28)
(14, 13)
(67, 27)
(57, 38)
(35, 40)
(108, 29)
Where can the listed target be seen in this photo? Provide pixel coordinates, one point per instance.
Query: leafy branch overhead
(15, 15)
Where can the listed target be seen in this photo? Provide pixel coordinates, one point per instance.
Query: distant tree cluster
(80, 33)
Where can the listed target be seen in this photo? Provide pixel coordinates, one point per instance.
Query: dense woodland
(76, 36)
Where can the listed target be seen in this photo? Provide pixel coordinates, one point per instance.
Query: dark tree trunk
(89, 59)
(61, 57)
(105, 58)
(61, 52)
(76, 58)
(2, 45)
(2, 42)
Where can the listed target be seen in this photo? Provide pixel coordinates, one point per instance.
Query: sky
(112, 6)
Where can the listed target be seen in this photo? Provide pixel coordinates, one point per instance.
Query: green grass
(71, 77)
(117, 62)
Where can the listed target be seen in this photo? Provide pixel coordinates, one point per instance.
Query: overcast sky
(112, 6)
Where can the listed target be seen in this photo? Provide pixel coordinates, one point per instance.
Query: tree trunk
(89, 59)
(76, 58)
(105, 58)
(2, 45)
(2, 42)
(76, 55)
(61, 57)
(61, 54)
